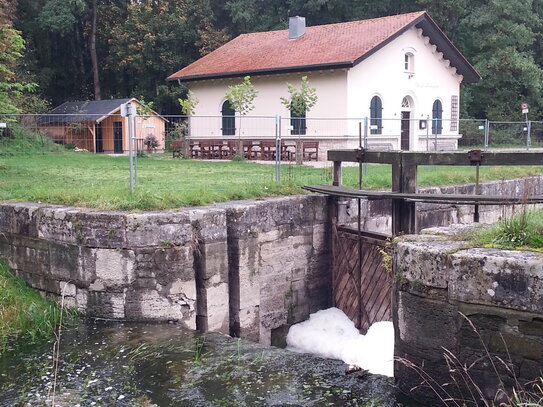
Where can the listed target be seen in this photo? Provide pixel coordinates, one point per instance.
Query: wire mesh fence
(284, 141)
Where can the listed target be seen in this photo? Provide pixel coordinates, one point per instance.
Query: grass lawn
(99, 181)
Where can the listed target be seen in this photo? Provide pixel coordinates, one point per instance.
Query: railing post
(337, 174)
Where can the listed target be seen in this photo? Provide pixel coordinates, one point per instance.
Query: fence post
(487, 132)
(529, 135)
(435, 130)
(278, 149)
(366, 124)
(127, 110)
(135, 143)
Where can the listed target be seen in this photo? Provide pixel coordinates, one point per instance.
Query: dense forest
(57, 50)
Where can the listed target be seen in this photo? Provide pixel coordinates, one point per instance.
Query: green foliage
(300, 101)
(188, 104)
(11, 49)
(23, 142)
(523, 230)
(24, 314)
(242, 96)
(60, 16)
(140, 43)
(144, 108)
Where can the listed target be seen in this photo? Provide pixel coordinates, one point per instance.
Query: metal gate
(362, 287)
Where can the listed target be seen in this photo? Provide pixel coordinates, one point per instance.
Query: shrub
(151, 142)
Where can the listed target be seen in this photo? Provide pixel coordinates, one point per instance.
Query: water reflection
(113, 364)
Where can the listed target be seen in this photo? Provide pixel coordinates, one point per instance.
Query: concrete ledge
(440, 283)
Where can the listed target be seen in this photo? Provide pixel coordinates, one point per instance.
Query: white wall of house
(331, 88)
(383, 74)
(344, 98)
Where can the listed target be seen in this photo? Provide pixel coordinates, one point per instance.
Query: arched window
(297, 121)
(376, 115)
(437, 115)
(228, 119)
(409, 62)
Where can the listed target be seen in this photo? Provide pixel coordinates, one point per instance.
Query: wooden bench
(310, 150)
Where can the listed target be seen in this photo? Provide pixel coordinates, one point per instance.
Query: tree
(188, 104)
(241, 98)
(11, 48)
(300, 101)
(503, 53)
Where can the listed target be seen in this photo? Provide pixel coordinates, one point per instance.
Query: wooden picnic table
(225, 149)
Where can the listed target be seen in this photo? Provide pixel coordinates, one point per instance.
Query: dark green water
(114, 364)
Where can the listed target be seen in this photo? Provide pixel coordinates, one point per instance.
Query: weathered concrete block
(30, 254)
(64, 260)
(100, 229)
(25, 219)
(173, 263)
(150, 305)
(424, 260)
(217, 308)
(512, 279)
(209, 224)
(158, 229)
(428, 323)
(115, 268)
(56, 225)
(109, 305)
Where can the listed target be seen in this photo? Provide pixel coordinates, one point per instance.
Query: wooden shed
(97, 126)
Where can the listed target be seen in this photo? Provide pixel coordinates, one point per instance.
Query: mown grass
(524, 230)
(46, 173)
(24, 314)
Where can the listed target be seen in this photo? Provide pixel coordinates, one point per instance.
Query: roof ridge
(421, 12)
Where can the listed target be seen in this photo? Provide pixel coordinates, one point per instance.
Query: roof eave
(260, 72)
(449, 50)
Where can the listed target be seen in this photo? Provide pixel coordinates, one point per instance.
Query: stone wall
(249, 268)
(485, 306)
(244, 267)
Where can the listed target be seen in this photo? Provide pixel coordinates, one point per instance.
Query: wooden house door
(99, 147)
(406, 116)
(117, 137)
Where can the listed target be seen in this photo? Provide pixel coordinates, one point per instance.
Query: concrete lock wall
(249, 268)
(245, 267)
(441, 283)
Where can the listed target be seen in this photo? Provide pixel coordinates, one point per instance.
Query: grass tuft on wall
(523, 230)
(24, 314)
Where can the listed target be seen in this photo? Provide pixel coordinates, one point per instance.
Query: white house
(400, 71)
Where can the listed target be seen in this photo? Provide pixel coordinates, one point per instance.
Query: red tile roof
(321, 47)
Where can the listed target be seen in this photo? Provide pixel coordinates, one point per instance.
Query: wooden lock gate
(361, 284)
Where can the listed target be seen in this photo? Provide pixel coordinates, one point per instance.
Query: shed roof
(330, 46)
(91, 111)
(85, 111)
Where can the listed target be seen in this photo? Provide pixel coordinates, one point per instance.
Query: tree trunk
(94, 58)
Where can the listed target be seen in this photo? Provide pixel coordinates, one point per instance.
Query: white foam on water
(331, 334)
